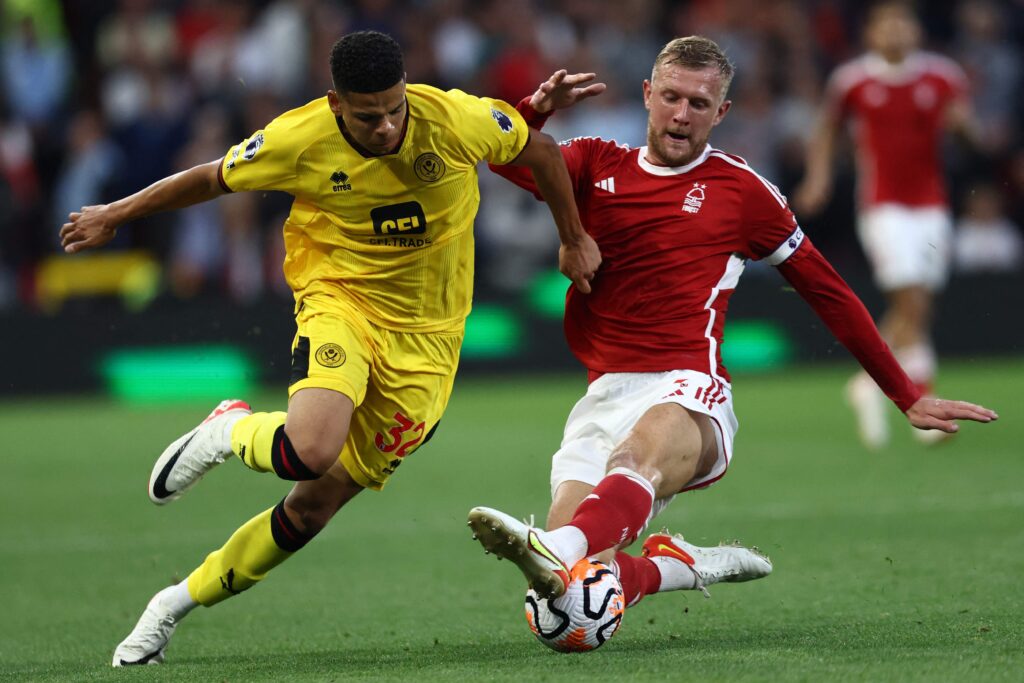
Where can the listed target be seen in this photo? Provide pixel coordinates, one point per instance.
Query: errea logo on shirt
(339, 179)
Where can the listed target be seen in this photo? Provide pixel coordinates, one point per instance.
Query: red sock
(638, 576)
(616, 512)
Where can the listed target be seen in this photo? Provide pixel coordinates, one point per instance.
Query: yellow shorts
(399, 382)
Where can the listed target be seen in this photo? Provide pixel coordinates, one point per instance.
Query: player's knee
(320, 460)
(628, 457)
(316, 455)
(637, 460)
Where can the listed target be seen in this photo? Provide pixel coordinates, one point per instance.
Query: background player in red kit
(675, 221)
(901, 100)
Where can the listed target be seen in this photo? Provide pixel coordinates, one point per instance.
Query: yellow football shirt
(390, 234)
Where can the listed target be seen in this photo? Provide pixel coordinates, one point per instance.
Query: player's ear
(722, 109)
(647, 94)
(334, 102)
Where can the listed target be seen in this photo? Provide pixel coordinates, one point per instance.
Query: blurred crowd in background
(99, 99)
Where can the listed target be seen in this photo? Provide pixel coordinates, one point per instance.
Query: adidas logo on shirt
(608, 185)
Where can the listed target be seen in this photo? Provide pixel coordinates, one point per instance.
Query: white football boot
(730, 563)
(868, 404)
(148, 640)
(525, 546)
(186, 460)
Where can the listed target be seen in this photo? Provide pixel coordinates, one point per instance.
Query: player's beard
(674, 155)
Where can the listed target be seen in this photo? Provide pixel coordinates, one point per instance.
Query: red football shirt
(674, 242)
(897, 113)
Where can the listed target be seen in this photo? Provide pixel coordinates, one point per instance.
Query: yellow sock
(252, 439)
(249, 554)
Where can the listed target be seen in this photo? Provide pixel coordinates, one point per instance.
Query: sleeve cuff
(220, 177)
(533, 118)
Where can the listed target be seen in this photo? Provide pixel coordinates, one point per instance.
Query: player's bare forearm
(94, 226)
(816, 188)
(962, 122)
(579, 256)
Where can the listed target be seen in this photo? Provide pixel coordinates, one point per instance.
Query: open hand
(563, 90)
(937, 413)
(93, 226)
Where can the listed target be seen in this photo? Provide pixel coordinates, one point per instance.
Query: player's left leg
(259, 545)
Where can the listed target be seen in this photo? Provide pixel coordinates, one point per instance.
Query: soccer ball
(585, 616)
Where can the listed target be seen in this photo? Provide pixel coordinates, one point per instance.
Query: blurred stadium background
(903, 565)
(100, 99)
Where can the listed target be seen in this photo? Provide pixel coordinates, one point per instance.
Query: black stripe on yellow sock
(286, 535)
(286, 461)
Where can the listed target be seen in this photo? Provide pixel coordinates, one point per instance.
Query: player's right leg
(330, 368)
(667, 563)
(298, 445)
(869, 406)
(259, 545)
(908, 249)
(908, 325)
(201, 449)
(668, 447)
(332, 352)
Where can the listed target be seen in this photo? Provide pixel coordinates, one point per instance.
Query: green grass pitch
(901, 565)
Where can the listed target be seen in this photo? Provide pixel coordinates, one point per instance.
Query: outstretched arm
(578, 257)
(814, 191)
(559, 91)
(94, 226)
(541, 169)
(844, 314)
(562, 90)
(962, 122)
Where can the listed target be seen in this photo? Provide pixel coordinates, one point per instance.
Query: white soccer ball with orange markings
(587, 615)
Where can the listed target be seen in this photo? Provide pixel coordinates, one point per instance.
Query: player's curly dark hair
(366, 61)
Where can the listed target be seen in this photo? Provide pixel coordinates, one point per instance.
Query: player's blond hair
(696, 52)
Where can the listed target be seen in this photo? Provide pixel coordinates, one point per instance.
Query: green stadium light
(492, 332)
(546, 294)
(161, 374)
(752, 345)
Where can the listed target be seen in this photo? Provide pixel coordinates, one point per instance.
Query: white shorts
(611, 407)
(907, 246)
